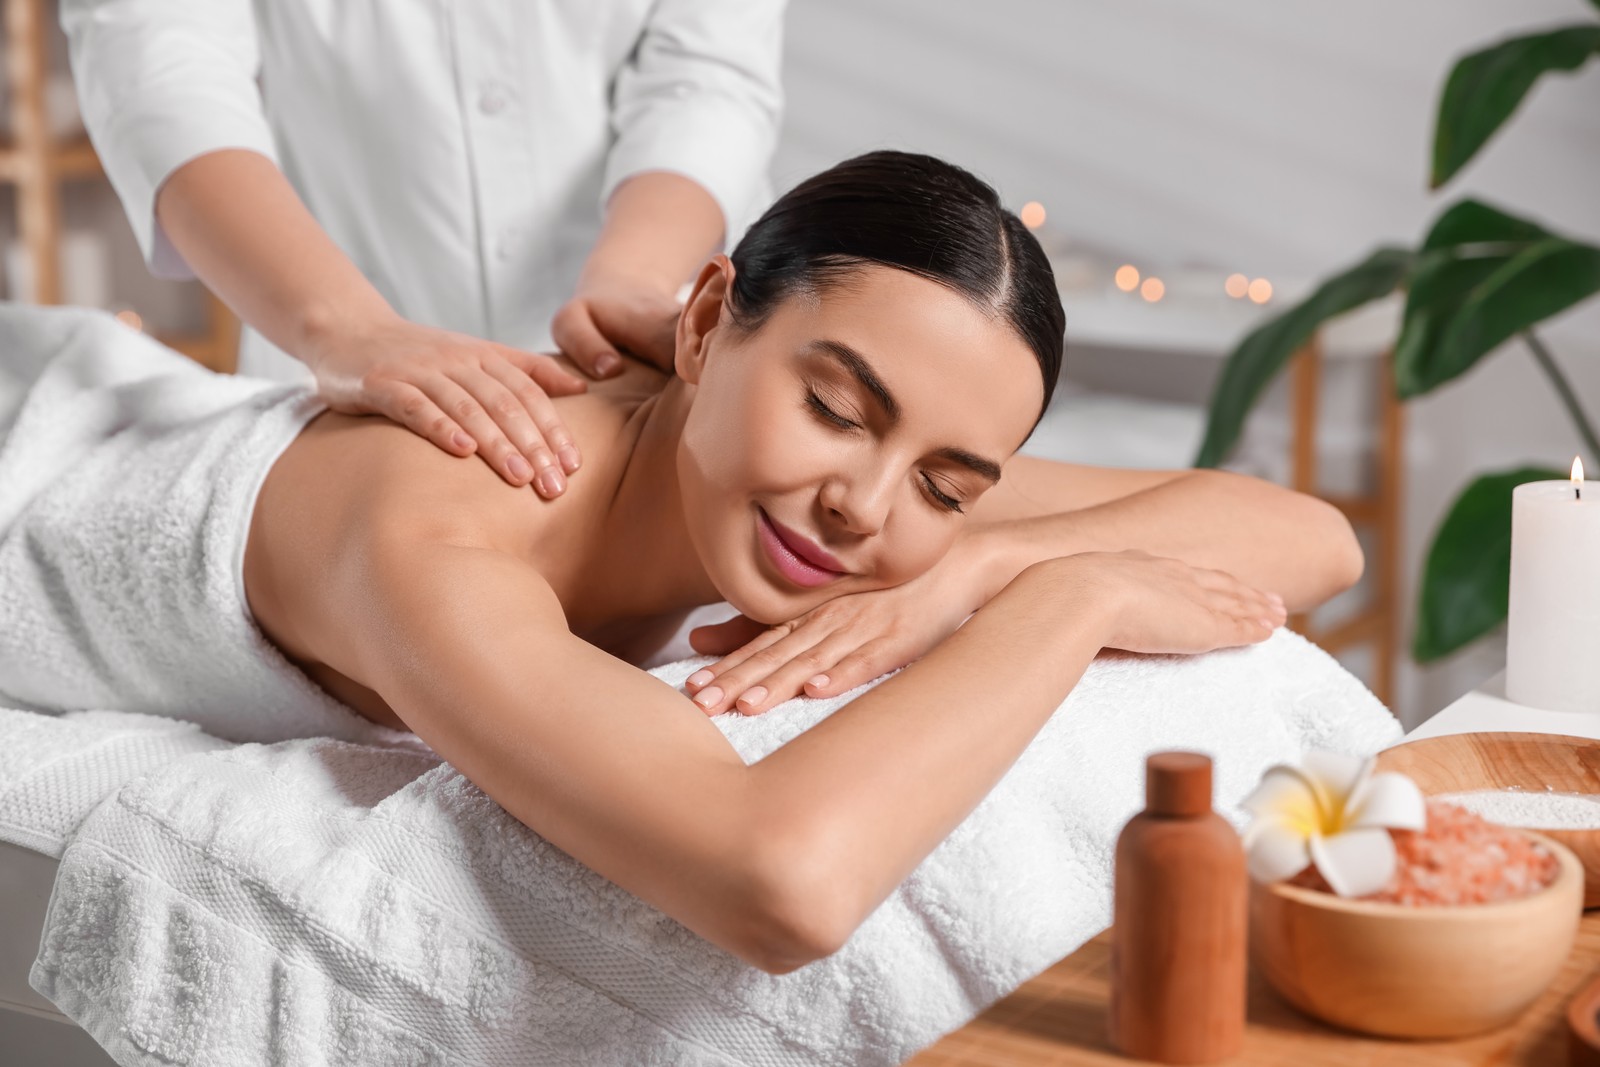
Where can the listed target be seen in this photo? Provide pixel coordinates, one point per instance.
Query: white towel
(127, 477)
(324, 902)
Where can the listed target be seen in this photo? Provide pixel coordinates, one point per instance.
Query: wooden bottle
(1179, 928)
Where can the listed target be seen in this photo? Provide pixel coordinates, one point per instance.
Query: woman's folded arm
(469, 647)
(780, 861)
(1291, 543)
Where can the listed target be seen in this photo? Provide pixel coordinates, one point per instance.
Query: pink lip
(796, 558)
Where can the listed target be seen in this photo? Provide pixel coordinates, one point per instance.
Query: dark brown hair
(914, 213)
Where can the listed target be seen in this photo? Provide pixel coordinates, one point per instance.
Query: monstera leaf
(1264, 351)
(1467, 580)
(1486, 87)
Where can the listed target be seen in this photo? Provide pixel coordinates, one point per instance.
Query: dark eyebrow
(857, 365)
(988, 468)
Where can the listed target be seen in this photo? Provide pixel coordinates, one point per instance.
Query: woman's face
(834, 449)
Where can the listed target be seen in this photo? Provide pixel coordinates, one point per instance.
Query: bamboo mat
(1057, 1019)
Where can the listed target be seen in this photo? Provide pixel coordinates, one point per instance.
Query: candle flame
(1577, 469)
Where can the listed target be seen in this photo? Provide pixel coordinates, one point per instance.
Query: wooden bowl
(1398, 970)
(1464, 763)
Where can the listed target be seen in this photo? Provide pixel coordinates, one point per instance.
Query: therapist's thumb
(574, 331)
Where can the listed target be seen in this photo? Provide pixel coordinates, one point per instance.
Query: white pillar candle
(1553, 628)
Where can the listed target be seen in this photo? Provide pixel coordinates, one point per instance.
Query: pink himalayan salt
(1457, 858)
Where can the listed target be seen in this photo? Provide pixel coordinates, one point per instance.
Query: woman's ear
(702, 313)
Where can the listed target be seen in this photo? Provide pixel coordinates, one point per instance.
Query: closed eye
(945, 501)
(815, 403)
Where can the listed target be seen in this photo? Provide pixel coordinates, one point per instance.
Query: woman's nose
(860, 504)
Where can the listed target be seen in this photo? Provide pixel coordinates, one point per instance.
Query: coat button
(493, 97)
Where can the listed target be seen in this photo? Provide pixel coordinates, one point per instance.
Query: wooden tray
(1462, 763)
(1058, 1019)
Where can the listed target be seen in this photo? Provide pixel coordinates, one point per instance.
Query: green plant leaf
(1472, 222)
(1485, 87)
(1264, 351)
(1467, 243)
(1466, 580)
(1478, 309)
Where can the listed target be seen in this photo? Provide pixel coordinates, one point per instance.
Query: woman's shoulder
(347, 482)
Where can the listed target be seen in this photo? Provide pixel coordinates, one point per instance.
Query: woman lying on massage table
(834, 454)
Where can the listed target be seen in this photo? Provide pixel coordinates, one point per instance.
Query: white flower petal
(1281, 786)
(1389, 799)
(1356, 862)
(1276, 850)
(1337, 774)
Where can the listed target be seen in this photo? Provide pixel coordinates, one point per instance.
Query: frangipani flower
(1333, 812)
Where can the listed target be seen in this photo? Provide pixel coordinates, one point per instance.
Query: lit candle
(1553, 628)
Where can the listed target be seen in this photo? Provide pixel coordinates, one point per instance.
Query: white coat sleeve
(161, 82)
(701, 96)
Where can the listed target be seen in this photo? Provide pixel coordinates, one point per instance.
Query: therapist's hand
(462, 393)
(612, 315)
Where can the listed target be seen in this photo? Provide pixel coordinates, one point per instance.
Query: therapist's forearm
(659, 228)
(1273, 538)
(246, 234)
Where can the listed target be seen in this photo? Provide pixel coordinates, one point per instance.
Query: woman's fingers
(832, 666)
(760, 642)
(1259, 604)
(801, 652)
(856, 668)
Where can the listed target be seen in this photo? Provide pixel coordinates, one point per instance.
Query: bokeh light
(1032, 214)
(130, 318)
(1260, 290)
(1152, 289)
(1127, 278)
(1237, 285)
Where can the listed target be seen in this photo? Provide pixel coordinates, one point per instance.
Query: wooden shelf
(73, 159)
(38, 165)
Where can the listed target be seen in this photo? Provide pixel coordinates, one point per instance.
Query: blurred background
(1191, 169)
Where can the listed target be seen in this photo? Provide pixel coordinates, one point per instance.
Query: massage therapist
(418, 192)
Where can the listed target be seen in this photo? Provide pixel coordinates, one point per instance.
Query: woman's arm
(1274, 538)
(777, 862)
(1288, 543)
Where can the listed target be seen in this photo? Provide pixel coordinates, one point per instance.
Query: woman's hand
(1160, 604)
(611, 312)
(841, 643)
(460, 392)
(1155, 604)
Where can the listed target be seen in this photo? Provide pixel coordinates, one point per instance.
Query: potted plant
(1480, 277)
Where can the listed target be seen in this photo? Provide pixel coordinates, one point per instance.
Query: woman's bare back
(345, 473)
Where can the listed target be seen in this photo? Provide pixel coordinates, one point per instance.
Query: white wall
(1284, 138)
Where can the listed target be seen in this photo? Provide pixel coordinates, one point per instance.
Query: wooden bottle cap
(1177, 783)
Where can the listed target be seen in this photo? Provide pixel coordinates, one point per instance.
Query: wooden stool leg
(1386, 575)
(1304, 383)
(38, 200)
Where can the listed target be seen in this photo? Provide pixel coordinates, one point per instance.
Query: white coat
(458, 152)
